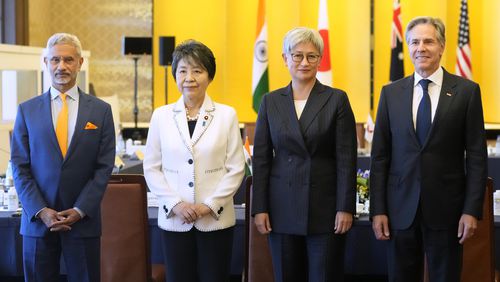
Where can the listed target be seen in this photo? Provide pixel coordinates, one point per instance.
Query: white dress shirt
(434, 90)
(299, 106)
(56, 104)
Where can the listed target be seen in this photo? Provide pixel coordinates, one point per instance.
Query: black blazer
(304, 170)
(447, 175)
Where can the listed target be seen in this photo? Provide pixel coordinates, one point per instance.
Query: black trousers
(441, 247)
(313, 258)
(196, 256)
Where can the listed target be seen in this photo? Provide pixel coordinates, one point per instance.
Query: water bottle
(8, 172)
(496, 202)
(13, 202)
(367, 206)
(128, 146)
(497, 147)
(120, 145)
(5, 203)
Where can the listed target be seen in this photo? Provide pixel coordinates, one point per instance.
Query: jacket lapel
(408, 103)
(317, 99)
(446, 98)
(206, 116)
(84, 110)
(46, 111)
(181, 123)
(286, 109)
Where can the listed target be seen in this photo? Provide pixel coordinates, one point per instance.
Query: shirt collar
(436, 77)
(72, 92)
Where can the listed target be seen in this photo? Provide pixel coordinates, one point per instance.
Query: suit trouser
(313, 258)
(42, 255)
(198, 256)
(441, 248)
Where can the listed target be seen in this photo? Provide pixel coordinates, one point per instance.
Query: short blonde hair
(302, 35)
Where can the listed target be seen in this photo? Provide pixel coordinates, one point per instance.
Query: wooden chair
(258, 266)
(125, 254)
(478, 256)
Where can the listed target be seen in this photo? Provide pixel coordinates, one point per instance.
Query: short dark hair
(196, 52)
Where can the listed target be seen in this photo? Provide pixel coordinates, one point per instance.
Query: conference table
(11, 245)
(364, 254)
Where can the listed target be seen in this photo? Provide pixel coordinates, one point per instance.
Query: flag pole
(372, 55)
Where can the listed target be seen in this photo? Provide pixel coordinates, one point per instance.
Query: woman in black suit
(305, 168)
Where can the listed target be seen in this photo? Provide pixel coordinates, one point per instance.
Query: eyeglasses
(299, 57)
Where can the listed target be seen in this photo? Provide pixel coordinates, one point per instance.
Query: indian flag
(324, 74)
(248, 155)
(260, 76)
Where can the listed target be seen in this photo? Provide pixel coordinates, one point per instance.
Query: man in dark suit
(304, 185)
(429, 162)
(63, 149)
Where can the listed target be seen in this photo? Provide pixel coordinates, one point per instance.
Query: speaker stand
(136, 135)
(136, 108)
(166, 85)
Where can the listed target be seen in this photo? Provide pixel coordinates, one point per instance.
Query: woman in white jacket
(194, 163)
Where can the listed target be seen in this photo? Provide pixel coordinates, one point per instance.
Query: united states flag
(464, 67)
(397, 69)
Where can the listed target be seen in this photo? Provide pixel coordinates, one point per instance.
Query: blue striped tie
(424, 113)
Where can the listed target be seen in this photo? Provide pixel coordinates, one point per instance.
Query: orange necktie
(62, 126)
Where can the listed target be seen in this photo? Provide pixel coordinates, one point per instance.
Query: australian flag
(397, 68)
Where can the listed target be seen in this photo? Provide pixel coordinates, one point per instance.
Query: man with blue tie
(428, 164)
(63, 150)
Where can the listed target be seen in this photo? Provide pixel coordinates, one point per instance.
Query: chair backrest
(478, 262)
(125, 239)
(259, 266)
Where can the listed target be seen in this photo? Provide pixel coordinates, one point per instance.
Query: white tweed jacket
(205, 168)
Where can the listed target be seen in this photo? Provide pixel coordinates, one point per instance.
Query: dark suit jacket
(44, 179)
(304, 170)
(403, 173)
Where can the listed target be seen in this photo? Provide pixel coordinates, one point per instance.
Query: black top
(191, 125)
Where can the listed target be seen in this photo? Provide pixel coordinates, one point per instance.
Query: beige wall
(100, 25)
